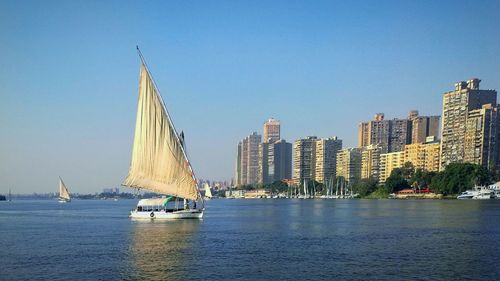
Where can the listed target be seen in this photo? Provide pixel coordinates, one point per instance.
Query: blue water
(253, 240)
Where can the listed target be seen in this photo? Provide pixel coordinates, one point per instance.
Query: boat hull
(64, 201)
(162, 215)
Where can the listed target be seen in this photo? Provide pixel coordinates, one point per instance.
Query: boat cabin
(159, 204)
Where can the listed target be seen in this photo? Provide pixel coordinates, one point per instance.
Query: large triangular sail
(159, 162)
(63, 190)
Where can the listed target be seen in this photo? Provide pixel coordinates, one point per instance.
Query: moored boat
(478, 193)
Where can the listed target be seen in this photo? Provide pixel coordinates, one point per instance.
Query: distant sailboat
(159, 161)
(63, 192)
(208, 192)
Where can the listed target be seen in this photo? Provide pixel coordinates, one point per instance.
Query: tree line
(456, 178)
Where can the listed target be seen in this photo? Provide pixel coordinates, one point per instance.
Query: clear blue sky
(69, 75)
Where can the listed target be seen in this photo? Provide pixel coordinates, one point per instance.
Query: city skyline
(69, 96)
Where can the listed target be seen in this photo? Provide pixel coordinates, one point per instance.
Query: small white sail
(159, 162)
(63, 191)
(208, 192)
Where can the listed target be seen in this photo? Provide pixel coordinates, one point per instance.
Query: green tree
(421, 178)
(365, 186)
(277, 187)
(458, 177)
(397, 181)
(407, 171)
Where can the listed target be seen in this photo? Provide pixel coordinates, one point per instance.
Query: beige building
(326, 159)
(423, 156)
(370, 162)
(271, 130)
(238, 171)
(315, 159)
(481, 137)
(304, 156)
(248, 155)
(349, 164)
(363, 133)
(456, 107)
(389, 162)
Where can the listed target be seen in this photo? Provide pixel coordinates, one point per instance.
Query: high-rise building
(275, 161)
(423, 156)
(363, 134)
(390, 135)
(412, 115)
(399, 134)
(266, 155)
(389, 162)
(326, 159)
(244, 162)
(271, 130)
(482, 137)
(456, 107)
(424, 126)
(238, 165)
(249, 161)
(349, 164)
(304, 157)
(379, 132)
(281, 168)
(370, 162)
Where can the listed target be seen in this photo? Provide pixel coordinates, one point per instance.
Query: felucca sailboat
(159, 160)
(63, 192)
(208, 192)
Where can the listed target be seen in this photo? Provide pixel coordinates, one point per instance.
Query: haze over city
(69, 76)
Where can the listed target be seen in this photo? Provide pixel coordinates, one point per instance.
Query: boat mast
(173, 126)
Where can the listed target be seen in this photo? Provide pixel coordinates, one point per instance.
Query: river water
(253, 240)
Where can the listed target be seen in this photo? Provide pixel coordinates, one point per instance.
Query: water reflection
(160, 250)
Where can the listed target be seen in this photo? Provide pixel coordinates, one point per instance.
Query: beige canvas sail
(158, 162)
(208, 192)
(63, 191)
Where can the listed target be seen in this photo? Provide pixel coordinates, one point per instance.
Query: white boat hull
(64, 201)
(162, 215)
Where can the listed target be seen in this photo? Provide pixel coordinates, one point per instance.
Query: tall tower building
(399, 134)
(349, 164)
(271, 130)
(412, 114)
(238, 165)
(249, 161)
(482, 137)
(275, 161)
(281, 168)
(326, 159)
(266, 155)
(304, 151)
(390, 135)
(456, 107)
(423, 127)
(379, 132)
(363, 134)
(370, 162)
